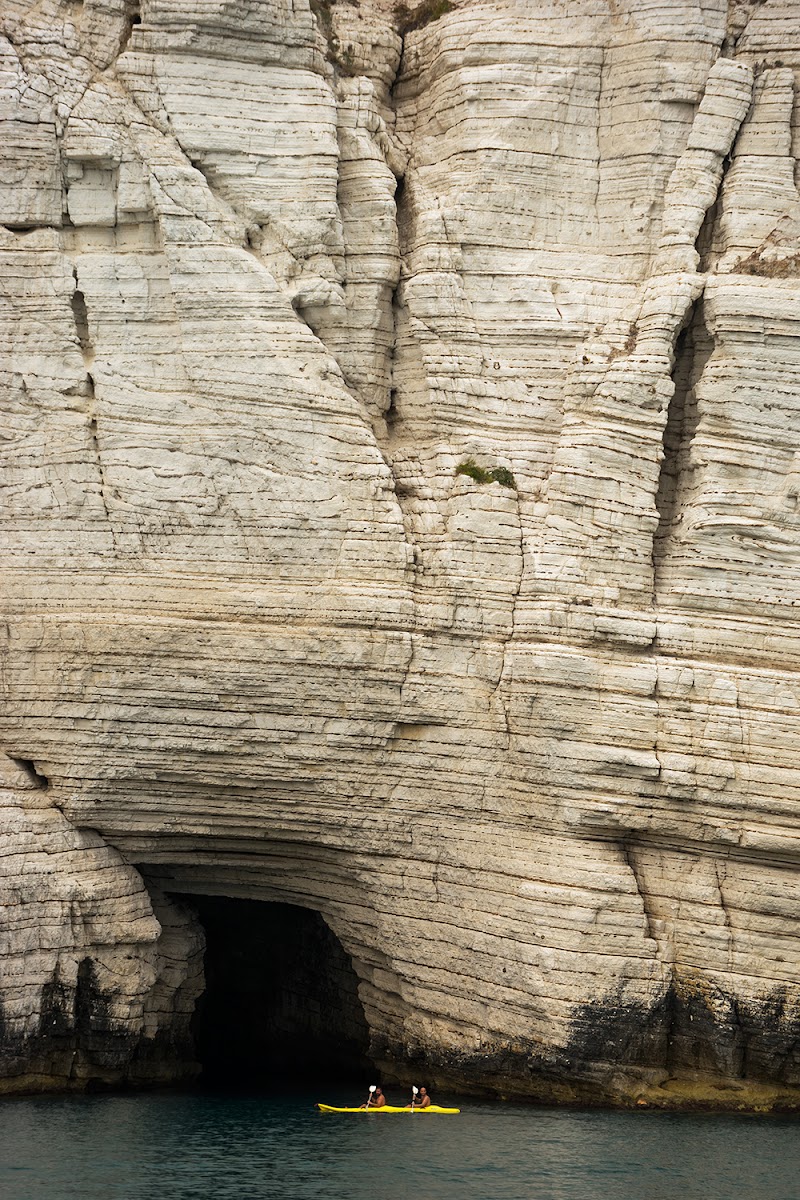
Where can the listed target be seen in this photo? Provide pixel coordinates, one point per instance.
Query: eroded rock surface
(271, 274)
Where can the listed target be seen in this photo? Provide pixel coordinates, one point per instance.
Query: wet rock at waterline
(400, 490)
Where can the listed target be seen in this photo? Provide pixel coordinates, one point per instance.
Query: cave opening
(281, 1005)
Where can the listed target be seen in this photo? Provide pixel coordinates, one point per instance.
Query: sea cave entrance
(281, 1003)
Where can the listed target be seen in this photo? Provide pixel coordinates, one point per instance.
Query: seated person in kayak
(423, 1100)
(376, 1099)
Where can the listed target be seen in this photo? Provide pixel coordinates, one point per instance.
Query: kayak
(389, 1108)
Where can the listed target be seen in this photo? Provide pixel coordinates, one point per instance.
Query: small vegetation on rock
(771, 268)
(500, 475)
(629, 344)
(409, 19)
(344, 59)
(322, 11)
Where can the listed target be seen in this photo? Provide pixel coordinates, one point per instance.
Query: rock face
(271, 274)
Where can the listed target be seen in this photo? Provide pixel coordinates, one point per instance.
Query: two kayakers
(377, 1099)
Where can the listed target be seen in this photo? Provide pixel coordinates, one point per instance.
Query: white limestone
(530, 750)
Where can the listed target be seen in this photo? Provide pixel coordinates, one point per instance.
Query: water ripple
(206, 1147)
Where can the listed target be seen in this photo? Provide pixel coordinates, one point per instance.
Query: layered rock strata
(271, 275)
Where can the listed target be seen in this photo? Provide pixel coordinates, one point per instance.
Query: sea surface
(223, 1147)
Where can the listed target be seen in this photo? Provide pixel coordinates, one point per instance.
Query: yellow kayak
(388, 1108)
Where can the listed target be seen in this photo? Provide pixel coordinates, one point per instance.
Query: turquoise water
(207, 1147)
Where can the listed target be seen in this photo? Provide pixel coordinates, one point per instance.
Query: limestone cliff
(272, 273)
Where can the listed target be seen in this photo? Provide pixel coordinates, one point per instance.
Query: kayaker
(423, 1100)
(376, 1099)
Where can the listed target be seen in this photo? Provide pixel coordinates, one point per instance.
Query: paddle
(414, 1094)
(372, 1090)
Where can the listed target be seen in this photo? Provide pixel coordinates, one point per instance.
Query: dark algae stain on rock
(76, 1042)
(80, 1046)
(689, 1050)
